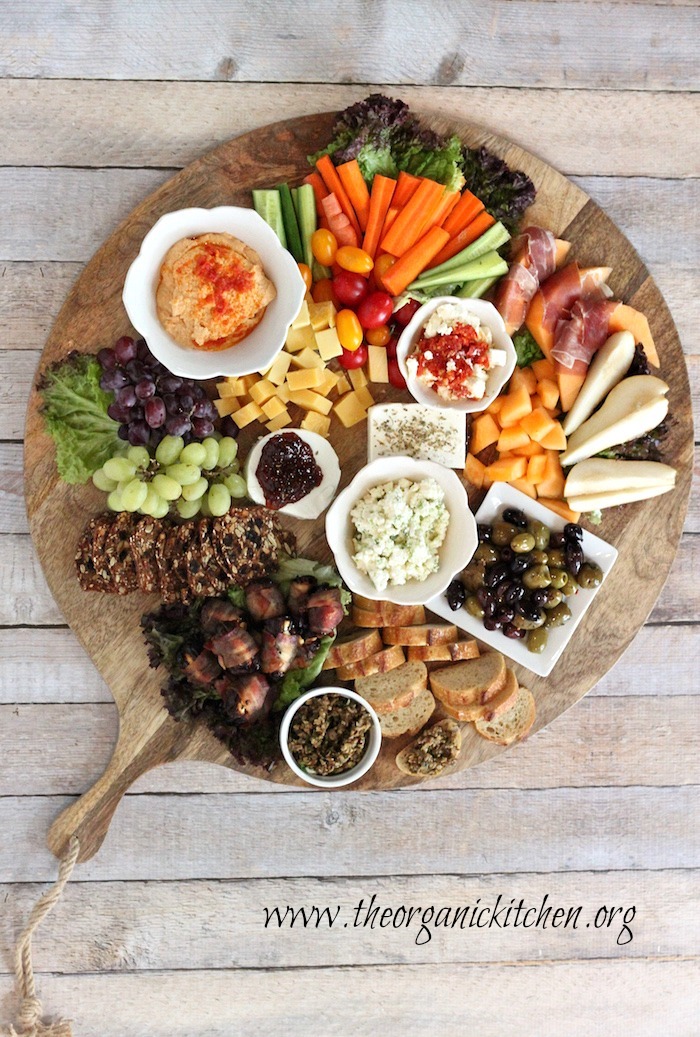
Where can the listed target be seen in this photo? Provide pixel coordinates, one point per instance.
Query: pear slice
(599, 501)
(608, 475)
(609, 365)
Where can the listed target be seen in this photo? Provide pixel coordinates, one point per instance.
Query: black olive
(489, 607)
(484, 532)
(496, 573)
(507, 554)
(514, 593)
(483, 595)
(501, 589)
(516, 517)
(539, 597)
(572, 531)
(530, 611)
(456, 595)
(557, 540)
(491, 623)
(505, 615)
(519, 563)
(510, 631)
(574, 557)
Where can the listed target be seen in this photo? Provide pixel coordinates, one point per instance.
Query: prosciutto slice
(579, 336)
(534, 262)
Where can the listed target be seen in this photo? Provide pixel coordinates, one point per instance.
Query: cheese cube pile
(299, 375)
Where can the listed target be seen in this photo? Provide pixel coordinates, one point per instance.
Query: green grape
(184, 474)
(101, 481)
(206, 510)
(151, 502)
(187, 509)
(139, 456)
(166, 487)
(234, 467)
(218, 499)
(169, 449)
(118, 468)
(194, 453)
(211, 447)
(195, 490)
(162, 508)
(114, 501)
(235, 484)
(228, 449)
(133, 495)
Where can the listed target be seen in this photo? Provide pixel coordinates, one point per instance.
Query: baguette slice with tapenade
(512, 725)
(387, 692)
(435, 748)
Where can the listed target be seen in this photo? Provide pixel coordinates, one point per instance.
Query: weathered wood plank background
(163, 932)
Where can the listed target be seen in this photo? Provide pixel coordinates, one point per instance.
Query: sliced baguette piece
(471, 681)
(496, 705)
(394, 690)
(388, 612)
(352, 647)
(435, 748)
(409, 719)
(423, 634)
(455, 652)
(381, 662)
(512, 725)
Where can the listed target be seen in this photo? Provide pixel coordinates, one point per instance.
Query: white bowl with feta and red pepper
(456, 354)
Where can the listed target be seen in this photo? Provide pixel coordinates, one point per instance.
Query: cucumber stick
(305, 206)
(268, 205)
(475, 289)
(488, 265)
(291, 227)
(489, 241)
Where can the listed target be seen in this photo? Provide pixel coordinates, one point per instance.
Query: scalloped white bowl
(258, 349)
(457, 548)
(497, 378)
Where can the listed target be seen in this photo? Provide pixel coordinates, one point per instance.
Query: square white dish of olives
(499, 497)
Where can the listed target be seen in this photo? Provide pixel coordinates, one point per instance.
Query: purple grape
(201, 409)
(177, 425)
(118, 413)
(198, 392)
(145, 388)
(142, 351)
(201, 427)
(171, 402)
(229, 427)
(136, 413)
(126, 397)
(124, 350)
(169, 383)
(107, 359)
(139, 433)
(186, 402)
(113, 380)
(123, 432)
(154, 412)
(135, 370)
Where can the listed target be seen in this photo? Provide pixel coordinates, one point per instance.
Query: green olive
(558, 616)
(486, 553)
(557, 557)
(559, 578)
(473, 607)
(529, 624)
(540, 532)
(536, 576)
(570, 586)
(537, 640)
(502, 533)
(522, 543)
(540, 557)
(554, 597)
(590, 575)
(473, 576)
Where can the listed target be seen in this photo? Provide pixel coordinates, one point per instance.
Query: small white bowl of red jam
(259, 346)
(469, 361)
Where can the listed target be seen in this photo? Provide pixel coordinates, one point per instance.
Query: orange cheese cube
(342, 385)
(365, 396)
(317, 423)
(328, 344)
(300, 338)
(308, 358)
(251, 412)
(305, 378)
(273, 408)
(322, 315)
(280, 421)
(308, 400)
(302, 318)
(349, 410)
(357, 377)
(262, 391)
(278, 371)
(378, 364)
(227, 405)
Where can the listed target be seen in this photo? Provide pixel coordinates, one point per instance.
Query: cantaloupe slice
(544, 369)
(553, 483)
(484, 432)
(506, 469)
(562, 249)
(510, 438)
(525, 487)
(536, 468)
(556, 439)
(548, 392)
(560, 507)
(474, 471)
(626, 318)
(531, 450)
(495, 406)
(515, 406)
(538, 424)
(523, 376)
(569, 387)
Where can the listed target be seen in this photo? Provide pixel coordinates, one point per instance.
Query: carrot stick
(338, 223)
(447, 204)
(465, 237)
(407, 227)
(332, 181)
(354, 183)
(414, 260)
(463, 213)
(383, 188)
(391, 214)
(320, 190)
(405, 186)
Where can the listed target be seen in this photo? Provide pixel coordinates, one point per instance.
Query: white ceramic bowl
(457, 548)
(497, 378)
(501, 496)
(332, 781)
(258, 349)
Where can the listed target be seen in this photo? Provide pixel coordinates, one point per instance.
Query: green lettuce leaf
(441, 164)
(236, 595)
(288, 568)
(75, 413)
(296, 681)
(526, 349)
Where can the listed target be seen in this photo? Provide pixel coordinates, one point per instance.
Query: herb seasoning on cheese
(417, 431)
(399, 529)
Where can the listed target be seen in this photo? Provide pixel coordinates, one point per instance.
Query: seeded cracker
(118, 554)
(143, 549)
(204, 574)
(92, 575)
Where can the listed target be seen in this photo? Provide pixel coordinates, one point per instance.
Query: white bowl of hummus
(456, 354)
(213, 292)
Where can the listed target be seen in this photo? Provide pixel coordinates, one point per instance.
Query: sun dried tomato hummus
(212, 291)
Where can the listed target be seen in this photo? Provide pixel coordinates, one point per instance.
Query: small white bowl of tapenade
(330, 737)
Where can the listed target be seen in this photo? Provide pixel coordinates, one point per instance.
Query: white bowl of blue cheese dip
(401, 530)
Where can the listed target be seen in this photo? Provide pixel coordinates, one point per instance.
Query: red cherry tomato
(375, 310)
(395, 376)
(391, 348)
(349, 288)
(405, 314)
(356, 358)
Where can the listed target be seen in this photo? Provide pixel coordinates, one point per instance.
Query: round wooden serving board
(646, 534)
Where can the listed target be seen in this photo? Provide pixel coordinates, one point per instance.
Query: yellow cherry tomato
(349, 330)
(378, 336)
(324, 246)
(356, 260)
(382, 264)
(305, 272)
